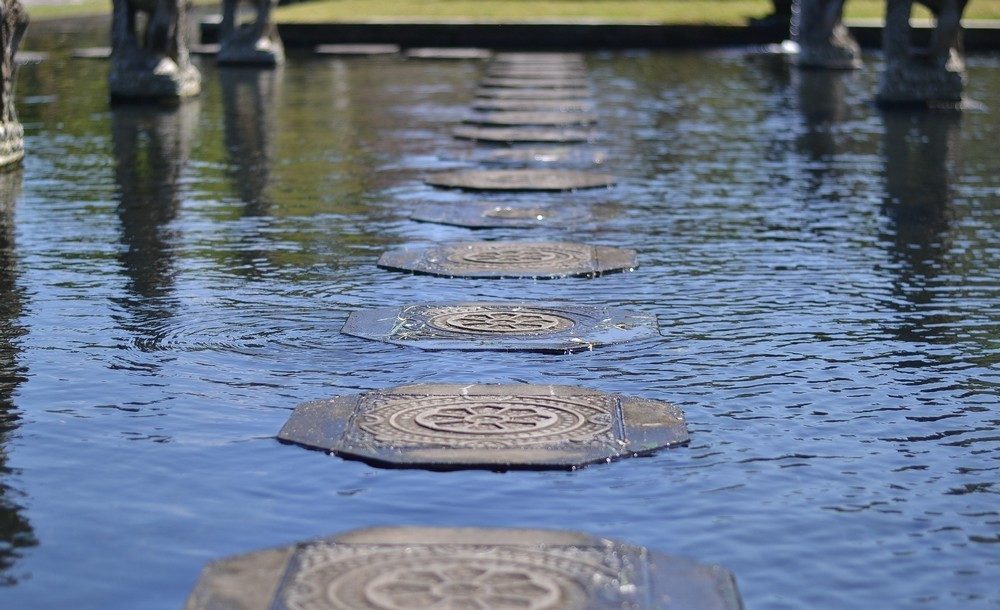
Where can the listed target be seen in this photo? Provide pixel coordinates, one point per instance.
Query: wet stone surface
(553, 82)
(510, 259)
(532, 118)
(501, 326)
(91, 53)
(535, 93)
(552, 135)
(407, 568)
(495, 427)
(448, 53)
(356, 49)
(569, 105)
(521, 180)
(549, 155)
(489, 216)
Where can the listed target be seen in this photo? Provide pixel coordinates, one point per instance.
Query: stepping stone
(533, 94)
(494, 427)
(567, 156)
(91, 53)
(532, 118)
(448, 53)
(534, 72)
(492, 216)
(204, 49)
(417, 568)
(552, 135)
(510, 259)
(501, 327)
(538, 57)
(30, 57)
(356, 49)
(520, 180)
(534, 83)
(569, 105)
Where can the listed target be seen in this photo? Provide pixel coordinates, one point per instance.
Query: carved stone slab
(408, 568)
(356, 49)
(520, 180)
(510, 259)
(448, 53)
(490, 216)
(537, 93)
(30, 57)
(496, 427)
(510, 135)
(548, 155)
(501, 326)
(91, 53)
(532, 105)
(514, 118)
(534, 83)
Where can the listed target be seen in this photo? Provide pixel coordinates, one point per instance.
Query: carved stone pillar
(923, 75)
(151, 61)
(824, 41)
(253, 43)
(13, 22)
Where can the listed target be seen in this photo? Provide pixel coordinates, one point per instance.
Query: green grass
(656, 11)
(81, 8)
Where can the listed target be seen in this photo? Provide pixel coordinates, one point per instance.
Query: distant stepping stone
(514, 118)
(91, 53)
(510, 259)
(204, 49)
(492, 216)
(540, 57)
(571, 105)
(356, 49)
(448, 53)
(411, 568)
(551, 135)
(501, 327)
(533, 94)
(520, 180)
(494, 427)
(534, 83)
(30, 57)
(549, 155)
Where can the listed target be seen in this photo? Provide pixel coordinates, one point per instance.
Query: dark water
(826, 278)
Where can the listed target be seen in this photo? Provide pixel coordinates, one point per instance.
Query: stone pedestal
(934, 75)
(13, 22)
(824, 41)
(151, 62)
(256, 43)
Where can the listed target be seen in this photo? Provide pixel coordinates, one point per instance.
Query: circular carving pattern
(493, 421)
(521, 256)
(494, 320)
(521, 179)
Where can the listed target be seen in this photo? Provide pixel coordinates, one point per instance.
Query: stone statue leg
(13, 22)
(823, 39)
(923, 76)
(153, 64)
(256, 43)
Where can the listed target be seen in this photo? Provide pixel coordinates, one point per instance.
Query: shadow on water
(919, 152)
(15, 531)
(151, 147)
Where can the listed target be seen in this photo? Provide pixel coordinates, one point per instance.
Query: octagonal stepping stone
(501, 326)
(448, 53)
(417, 568)
(511, 135)
(511, 259)
(356, 49)
(532, 105)
(533, 83)
(204, 49)
(495, 427)
(530, 71)
(519, 118)
(537, 93)
(520, 180)
(540, 56)
(492, 216)
(91, 53)
(548, 155)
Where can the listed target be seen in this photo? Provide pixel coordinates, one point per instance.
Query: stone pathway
(525, 97)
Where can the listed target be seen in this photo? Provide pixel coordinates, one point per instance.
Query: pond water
(826, 277)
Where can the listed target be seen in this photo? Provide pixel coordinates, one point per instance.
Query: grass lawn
(659, 11)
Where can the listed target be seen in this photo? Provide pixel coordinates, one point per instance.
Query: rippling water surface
(825, 275)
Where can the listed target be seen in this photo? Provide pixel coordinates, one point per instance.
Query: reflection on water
(249, 101)
(822, 103)
(15, 530)
(920, 151)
